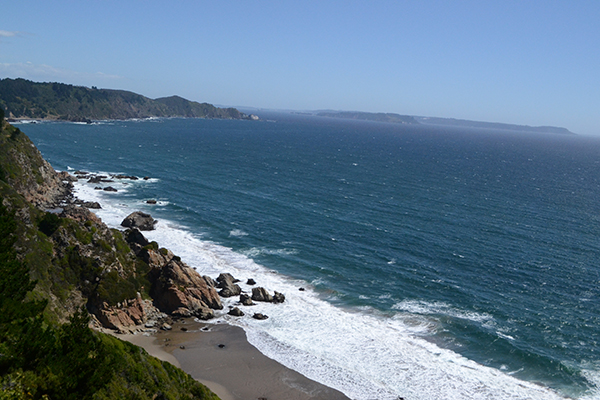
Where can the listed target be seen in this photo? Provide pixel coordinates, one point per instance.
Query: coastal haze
(420, 180)
(519, 63)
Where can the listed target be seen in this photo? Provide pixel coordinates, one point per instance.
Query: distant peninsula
(407, 119)
(491, 125)
(24, 99)
(367, 116)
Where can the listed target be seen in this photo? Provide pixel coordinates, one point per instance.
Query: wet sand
(220, 357)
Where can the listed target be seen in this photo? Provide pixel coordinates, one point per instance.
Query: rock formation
(228, 286)
(140, 220)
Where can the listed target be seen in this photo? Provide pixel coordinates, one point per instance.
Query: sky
(521, 62)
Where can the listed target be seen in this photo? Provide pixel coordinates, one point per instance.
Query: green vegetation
(47, 350)
(49, 223)
(26, 99)
(41, 360)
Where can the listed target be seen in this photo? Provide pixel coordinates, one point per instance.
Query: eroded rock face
(80, 214)
(176, 286)
(140, 220)
(131, 313)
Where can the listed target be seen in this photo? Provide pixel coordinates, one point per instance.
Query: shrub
(49, 223)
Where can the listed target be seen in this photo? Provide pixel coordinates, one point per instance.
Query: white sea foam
(361, 353)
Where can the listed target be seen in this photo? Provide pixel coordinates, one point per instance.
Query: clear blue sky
(522, 62)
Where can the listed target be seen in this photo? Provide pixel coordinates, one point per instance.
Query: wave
(359, 351)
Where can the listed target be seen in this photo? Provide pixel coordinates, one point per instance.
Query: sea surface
(437, 262)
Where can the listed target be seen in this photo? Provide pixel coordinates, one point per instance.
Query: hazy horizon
(517, 63)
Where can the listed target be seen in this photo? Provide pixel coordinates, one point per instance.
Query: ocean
(437, 262)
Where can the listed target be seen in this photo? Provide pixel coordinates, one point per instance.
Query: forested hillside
(22, 98)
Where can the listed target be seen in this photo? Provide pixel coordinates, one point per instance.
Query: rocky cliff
(81, 268)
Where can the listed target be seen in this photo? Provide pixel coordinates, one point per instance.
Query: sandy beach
(220, 357)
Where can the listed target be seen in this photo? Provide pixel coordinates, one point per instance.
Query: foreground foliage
(40, 358)
(70, 361)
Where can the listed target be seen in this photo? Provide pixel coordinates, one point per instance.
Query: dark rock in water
(97, 188)
(302, 289)
(227, 284)
(140, 220)
(278, 297)
(151, 201)
(146, 178)
(246, 300)
(95, 179)
(261, 294)
(131, 177)
(221, 346)
(236, 312)
(260, 316)
(110, 189)
(91, 204)
(183, 328)
(251, 282)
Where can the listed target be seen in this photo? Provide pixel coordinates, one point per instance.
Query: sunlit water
(438, 263)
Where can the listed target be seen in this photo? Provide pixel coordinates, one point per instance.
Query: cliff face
(122, 279)
(79, 265)
(23, 168)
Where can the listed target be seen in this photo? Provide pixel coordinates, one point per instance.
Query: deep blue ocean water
(439, 262)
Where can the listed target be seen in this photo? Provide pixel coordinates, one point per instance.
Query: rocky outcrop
(246, 300)
(181, 291)
(30, 175)
(236, 312)
(177, 288)
(134, 312)
(80, 214)
(261, 294)
(228, 286)
(140, 220)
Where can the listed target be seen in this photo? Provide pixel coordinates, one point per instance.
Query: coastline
(220, 357)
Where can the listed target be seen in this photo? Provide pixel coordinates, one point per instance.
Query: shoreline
(220, 357)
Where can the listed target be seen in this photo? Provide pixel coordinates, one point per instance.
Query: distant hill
(407, 119)
(492, 125)
(22, 98)
(366, 116)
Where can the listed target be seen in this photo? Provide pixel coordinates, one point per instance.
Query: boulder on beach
(140, 220)
(236, 312)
